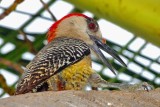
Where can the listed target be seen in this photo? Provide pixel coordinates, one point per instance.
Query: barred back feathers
(52, 59)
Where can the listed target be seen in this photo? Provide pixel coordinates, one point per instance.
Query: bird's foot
(96, 82)
(135, 87)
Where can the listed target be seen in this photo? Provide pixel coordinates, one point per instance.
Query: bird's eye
(92, 25)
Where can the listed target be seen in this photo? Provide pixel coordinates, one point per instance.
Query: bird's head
(82, 27)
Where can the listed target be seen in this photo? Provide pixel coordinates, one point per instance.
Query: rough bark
(85, 99)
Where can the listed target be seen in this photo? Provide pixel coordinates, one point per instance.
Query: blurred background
(23, 34)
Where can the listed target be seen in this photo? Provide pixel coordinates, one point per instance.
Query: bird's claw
(135, 87)
(146, 86)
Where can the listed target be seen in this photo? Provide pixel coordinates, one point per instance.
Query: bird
(65, 62)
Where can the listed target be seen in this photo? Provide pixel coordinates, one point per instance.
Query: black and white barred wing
(53, 58)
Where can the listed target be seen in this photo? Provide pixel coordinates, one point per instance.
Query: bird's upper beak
(100, 44)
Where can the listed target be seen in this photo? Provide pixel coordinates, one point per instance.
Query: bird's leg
(96, 81)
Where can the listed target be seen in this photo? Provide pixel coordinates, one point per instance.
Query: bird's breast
(74, 77)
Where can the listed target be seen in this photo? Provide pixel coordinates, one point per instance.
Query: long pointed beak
(98, 44)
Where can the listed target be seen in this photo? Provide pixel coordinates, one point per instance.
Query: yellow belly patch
(74, 77)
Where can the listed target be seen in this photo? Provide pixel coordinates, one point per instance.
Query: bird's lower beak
(98, 44)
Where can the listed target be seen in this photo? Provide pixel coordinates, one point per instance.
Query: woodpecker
(65, 62)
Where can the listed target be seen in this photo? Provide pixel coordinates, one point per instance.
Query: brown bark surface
(85, 99)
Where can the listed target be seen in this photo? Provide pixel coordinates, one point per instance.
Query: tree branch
(5, 87)
(10, 9)
(8, 63)
(46, 7)
(29, 43)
